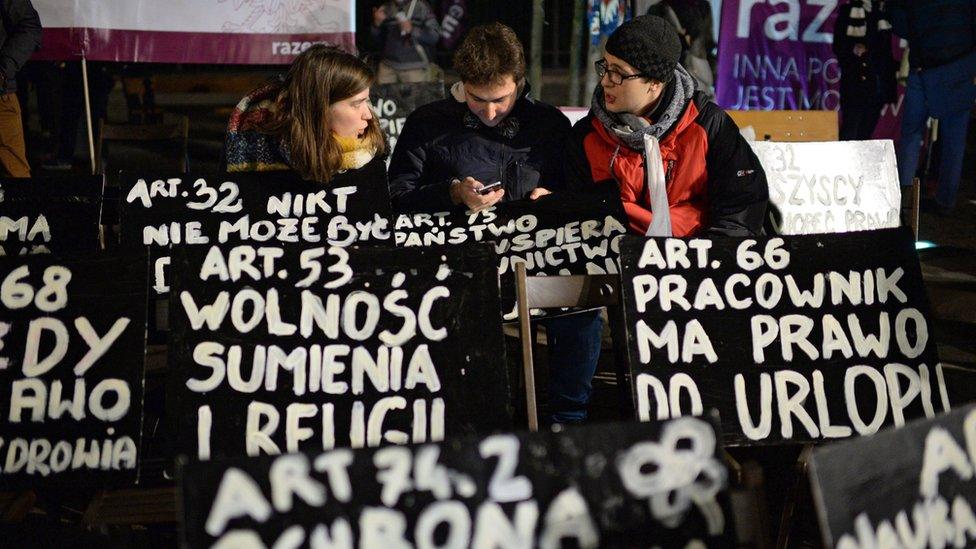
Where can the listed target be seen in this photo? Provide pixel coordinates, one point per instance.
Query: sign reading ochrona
(287, 349)
(907, 487)
(791, 339)
(252, 208)
(833, 187)
(558, 234)
(49, 214)
(583, 487)
(72, 340)
(393, 103)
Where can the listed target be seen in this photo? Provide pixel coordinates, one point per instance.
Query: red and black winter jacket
(715, 183)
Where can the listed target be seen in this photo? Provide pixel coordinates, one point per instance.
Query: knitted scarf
(356, 152)
(246, 148)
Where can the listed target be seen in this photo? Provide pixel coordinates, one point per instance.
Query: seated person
(680, 163)
(490, 130)
(317, 120)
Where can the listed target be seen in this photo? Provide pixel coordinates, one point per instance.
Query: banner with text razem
(776, 55)
(193, 31)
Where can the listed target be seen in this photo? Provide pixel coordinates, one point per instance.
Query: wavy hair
(319, 77)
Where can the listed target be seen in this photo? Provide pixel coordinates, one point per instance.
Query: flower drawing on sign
(677, 472)
(282, 16)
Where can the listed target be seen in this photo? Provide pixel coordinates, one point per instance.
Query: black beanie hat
(649, 44)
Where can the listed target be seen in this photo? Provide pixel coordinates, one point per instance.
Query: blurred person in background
(20, 36)
(405, 32)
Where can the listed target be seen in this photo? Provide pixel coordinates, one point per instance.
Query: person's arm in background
(411, 188)
(376, 29)
(426, 30)
(23, 37)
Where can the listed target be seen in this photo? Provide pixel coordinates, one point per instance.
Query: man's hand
(860, 49)
(466, 192)
(406, 26)
(538, 193)
(379, 15)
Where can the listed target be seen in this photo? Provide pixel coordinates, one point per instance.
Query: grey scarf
(640, 135)
(631, 128)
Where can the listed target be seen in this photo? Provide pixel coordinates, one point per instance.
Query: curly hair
(489, 53)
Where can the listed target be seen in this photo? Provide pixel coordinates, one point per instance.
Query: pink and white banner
(777, 55)
(192, 31)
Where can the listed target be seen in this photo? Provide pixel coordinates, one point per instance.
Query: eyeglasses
(616, 77)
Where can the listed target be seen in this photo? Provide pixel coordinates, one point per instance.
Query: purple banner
(776, 55)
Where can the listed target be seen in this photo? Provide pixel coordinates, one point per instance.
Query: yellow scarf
(356, 152)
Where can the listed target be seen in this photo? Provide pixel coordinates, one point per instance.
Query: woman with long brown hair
(317, 120)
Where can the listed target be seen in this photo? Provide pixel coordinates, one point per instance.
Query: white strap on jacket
(657, 190)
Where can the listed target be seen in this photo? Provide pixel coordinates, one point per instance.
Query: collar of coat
(507, 128)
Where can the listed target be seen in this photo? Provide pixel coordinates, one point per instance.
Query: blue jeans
(952, 135)
(574, 350)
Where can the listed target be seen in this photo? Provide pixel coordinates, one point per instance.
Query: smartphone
(490, 187)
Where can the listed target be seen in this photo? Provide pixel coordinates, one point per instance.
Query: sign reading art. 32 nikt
(72, 341)
(286, 349)
(597, 486)
(255, 208)
(791, 339)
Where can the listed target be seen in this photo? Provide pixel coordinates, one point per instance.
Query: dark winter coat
(444, 140)
(938, 31)
(20, 36)
(869, 80)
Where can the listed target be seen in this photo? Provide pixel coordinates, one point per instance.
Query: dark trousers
(857, 120)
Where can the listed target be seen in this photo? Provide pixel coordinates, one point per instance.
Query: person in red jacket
(681, 165)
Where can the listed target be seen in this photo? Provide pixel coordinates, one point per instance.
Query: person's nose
(605, 80)
(367, 113)
(490, 111)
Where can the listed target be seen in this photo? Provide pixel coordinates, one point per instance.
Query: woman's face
(350, 117)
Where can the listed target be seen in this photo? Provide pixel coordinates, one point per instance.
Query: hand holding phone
(490, 187)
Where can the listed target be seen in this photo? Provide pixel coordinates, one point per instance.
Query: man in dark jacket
(406, 32)
(678, 159)
(941, 38)
(20, 35)
(862, 44)
(490, 131)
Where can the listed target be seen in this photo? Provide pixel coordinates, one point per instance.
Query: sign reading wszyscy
(831, 187)
(792, 339)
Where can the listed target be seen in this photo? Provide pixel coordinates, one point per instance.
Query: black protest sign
(50, 214)
(558, 234)
(393, 103)
(72, 344)
(596, 486)
(256, 208)
(908, 487)
(286, 349)
(792, 339)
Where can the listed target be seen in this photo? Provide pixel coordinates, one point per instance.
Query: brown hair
(319, 76)
(489, 53)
